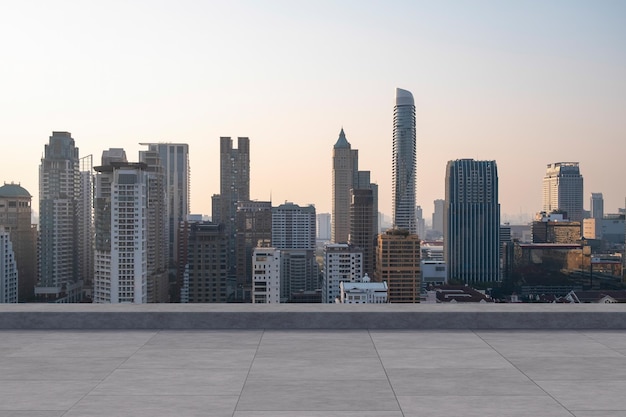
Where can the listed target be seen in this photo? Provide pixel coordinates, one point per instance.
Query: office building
(563, 190)
(15, 217)
(85, 225)
(342, 262)
(398, 264)
(345, 168)
(59, 191)
(175, 163)
(404, 162)
(157, 228)
(8, 269)
(121, 219)
(253, 229)
(207, 260)
(597, 206)
(363, 227)
(293, 233)
(472, 221)
(266, 266)
(323, 227)
(438, 216)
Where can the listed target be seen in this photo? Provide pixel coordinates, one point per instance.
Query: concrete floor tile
(42, 395)
(610, 413)
(206, 339)
(31, 413)
(175, 381)
(331, 367)
(475, 358)
(482, 406)
(610, 339)
(190, 358)
(426, 339)
(550, 347)
(154, 406)
(306, 395)
(592, 395)
(327, 413)
(55, 368)
(572, 368)
(461, 382)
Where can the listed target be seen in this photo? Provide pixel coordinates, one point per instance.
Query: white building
(342, 262)
(8, 269)
(266, 264)
(121, 264)
(364, 292)
(563, 190)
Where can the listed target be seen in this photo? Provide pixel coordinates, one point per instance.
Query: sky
(524, 83)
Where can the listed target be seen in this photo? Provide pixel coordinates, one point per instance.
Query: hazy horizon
(522, 83)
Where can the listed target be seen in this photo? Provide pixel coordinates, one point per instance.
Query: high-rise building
(472, 221)
(234, 187)
(363, 227)
(404, 162)
(158, 248)
(342, 262)
(85, 224)
(254, 229)
(597, 206)
(323, 226)
(8, 269)
(345, 171)
(175, 162)
(15, 217)
(266, 266)
(207, 261)
(293, 233)
(420, 222)
(398, 264)
(563, 190)
(438, 215)
(121, 219)
(59, 190)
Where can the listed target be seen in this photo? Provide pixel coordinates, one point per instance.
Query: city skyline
(525, 85)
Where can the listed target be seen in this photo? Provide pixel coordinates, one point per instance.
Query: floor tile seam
(243, 386)
(386, 374)
(605, 345)
(95, 387)
(529, 378)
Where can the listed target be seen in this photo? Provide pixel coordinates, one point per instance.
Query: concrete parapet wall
(312, 316)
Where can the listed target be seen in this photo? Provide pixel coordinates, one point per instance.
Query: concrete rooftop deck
(302, 361)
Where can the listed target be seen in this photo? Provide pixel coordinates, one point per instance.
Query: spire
(342, 142)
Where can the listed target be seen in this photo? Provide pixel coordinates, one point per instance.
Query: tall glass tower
(472, 221)
(404, 162)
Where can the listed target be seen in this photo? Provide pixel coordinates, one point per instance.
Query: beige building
(398, 263)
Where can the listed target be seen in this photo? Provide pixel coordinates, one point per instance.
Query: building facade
(207, 261)
(266, 264)
(404, 159)
(8, 269)
(563, 190)
(16, 218)
(398, 264)
(345, 169)
(472, 221)
(364, 227)
(342, 262)
(59, 191)
(597, 206)
(121, 218)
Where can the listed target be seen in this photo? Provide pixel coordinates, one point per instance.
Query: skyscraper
(563, 190)
(15, 217)
(207, 261)
(175, 162)
(404, 162)
(8, 269)
(597, 206)
(59, 190)
(438, 215)
(84, 222)
(472, 221)
(345, 171)
(121, 223)
(363, 227)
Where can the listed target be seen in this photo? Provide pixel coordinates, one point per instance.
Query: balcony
(312, 360)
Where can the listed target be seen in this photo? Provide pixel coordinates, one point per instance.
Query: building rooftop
(13, 190)
(297, 372)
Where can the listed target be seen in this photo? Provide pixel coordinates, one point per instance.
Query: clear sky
(525, 83)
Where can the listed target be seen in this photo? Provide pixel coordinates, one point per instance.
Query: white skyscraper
(121, 260)
(563, 190)
(404, 162)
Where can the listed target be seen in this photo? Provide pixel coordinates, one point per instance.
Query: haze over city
(522, 83)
